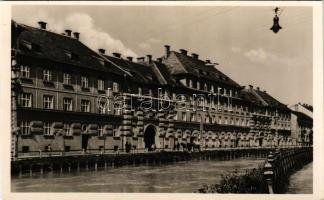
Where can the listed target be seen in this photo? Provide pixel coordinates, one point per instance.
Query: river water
(301, 182)
(181, 177)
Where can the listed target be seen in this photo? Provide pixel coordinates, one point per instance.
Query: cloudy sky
(238, 38)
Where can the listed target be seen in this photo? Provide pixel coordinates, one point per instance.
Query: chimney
(76, 35)
(167, 50)
(42, 25)
(117, 55)
(68, 32)
(149, 58)
(264, 91)
(159, 60)
(140, 59)
(183, 51)
(258, 88)
(208, 61)
(102, 51)
(195, 56)
(129, 58)
(251, 87)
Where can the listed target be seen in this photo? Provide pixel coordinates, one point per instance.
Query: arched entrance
(149, 137)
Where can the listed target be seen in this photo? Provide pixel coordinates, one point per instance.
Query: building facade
(69, 98)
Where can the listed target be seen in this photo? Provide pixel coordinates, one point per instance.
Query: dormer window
(115, 87)
(84, 82)
(205, 87)
(212, 88)
(71, 55)
(190, 83)
(25, 45)
(47, 75)
(67, 79)
(102, 62)
(101, 84)
(24, 71)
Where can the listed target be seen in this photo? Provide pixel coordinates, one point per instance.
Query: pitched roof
(163, 70)
(179, 63)
(58, 48)
(302, 116)
(308, 107)
(271, 101)
(262, 98)
(139, 72)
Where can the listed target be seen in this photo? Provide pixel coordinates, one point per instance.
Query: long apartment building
(71, 98)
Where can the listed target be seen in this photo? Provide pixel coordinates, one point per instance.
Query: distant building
(74, 99)
(302, 124)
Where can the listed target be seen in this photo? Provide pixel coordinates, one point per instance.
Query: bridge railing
(281, 163)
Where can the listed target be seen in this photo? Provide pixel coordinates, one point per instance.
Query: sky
(238, 38)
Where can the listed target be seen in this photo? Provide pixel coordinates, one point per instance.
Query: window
(24, 71)
(71, 55)
(230, 93)
(26, 100)
(47, 75)
(25, 127)
(190, 83)
(67, 79)
(212, 89)
(102, 107)
(25, 149)
(198, 85)
(47, 128)
(184, 116)
(85, 106)
(84, 82)
(115, 131)
(205, 87)
(67, 104)
(115, 87)
(192, 117)
(140, 91)
(100, 130)
(101, 84)
(48, 102)
(67, 129)
(242, 122)
(226, 122)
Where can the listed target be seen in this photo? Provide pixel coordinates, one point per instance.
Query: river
(180, 177)
(301, 182)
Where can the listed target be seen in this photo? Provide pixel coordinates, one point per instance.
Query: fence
(281, 164)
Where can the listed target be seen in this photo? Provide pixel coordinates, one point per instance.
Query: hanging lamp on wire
(276, 27)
